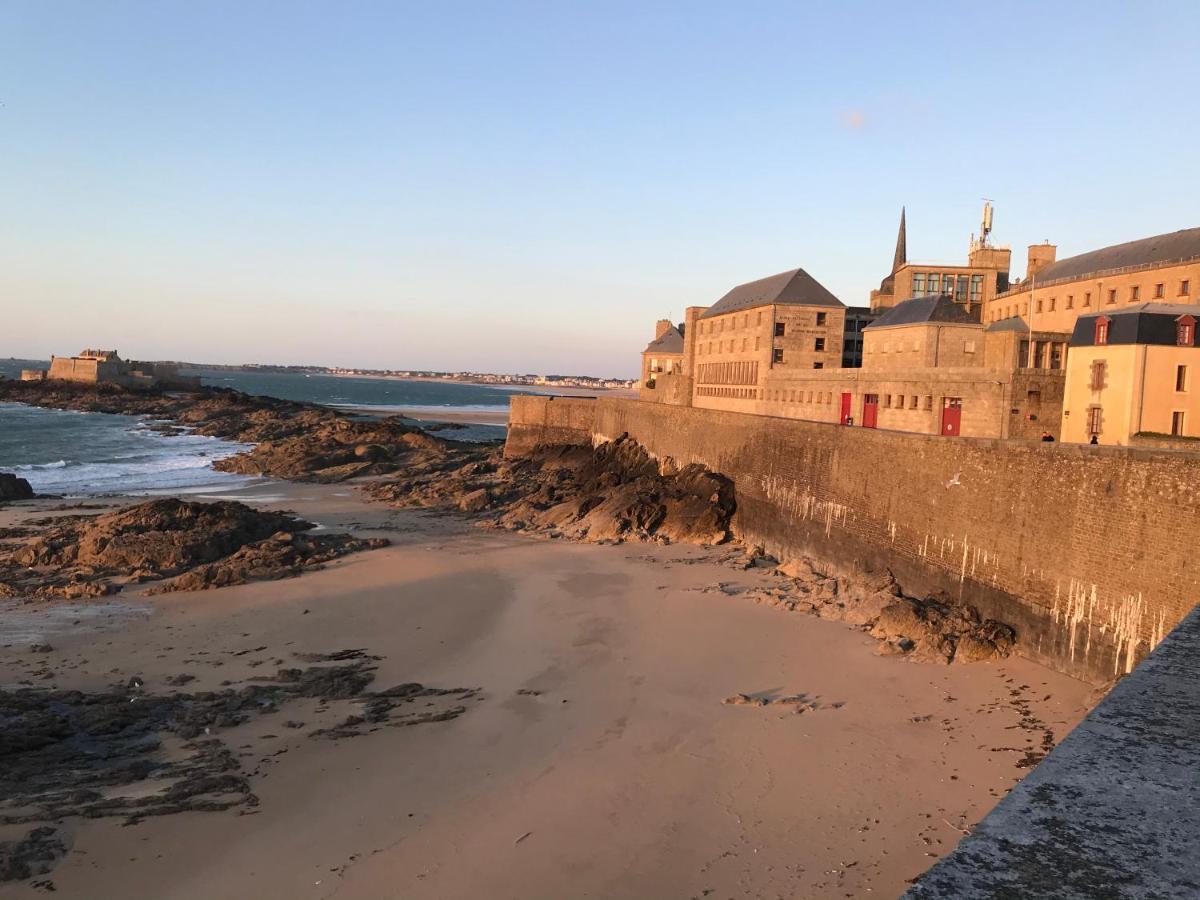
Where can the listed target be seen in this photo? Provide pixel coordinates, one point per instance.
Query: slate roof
(670, 342)
(795, 287)
(1158, 249)
(934, 308)
(1012, 323)
(1142, 323)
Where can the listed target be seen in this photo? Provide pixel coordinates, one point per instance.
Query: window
(1134, 293)
(887, 401)
(1181, 378)
(821, 318)
(1095, 415)
(1177, 424)
(935, 283)
(960, 293)
(1099, 369)
(777, 356)
(1087, 299)
(1052, 302)
(1056, 355)
(818, 365)
(759, 317)
(1185, 331)
(1102, 330)
(928, 401)
(1070, 301)
(1112, 296)
(1039, 306)
(912, 404)
(1183, 287)
(819, 344)
(976, 288)
(1159, 291)
(779, 329)
(918, 288)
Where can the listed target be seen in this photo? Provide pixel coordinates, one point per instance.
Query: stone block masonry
(1086, 551)
(1114, 811)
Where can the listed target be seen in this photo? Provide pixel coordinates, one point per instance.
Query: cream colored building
(1134, 371)
(1055, 293)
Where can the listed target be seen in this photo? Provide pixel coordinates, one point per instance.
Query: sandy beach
(597, 758)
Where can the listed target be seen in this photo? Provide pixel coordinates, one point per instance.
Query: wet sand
(600, 759)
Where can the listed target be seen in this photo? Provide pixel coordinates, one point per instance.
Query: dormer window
(1102, 324)
(1185, 331)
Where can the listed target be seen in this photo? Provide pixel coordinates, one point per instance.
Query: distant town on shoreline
(588, 382)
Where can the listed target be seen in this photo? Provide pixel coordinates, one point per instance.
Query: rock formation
(297, 441)
(613, 492)
(932, 629)
(14, 488)
(106, 754)
(199, 545)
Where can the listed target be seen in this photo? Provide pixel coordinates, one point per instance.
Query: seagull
(953, 481)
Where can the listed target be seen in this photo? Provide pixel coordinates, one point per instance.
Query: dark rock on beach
(610, 493)
(14, 488)
(198, 545)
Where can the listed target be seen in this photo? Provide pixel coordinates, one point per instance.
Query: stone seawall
(1086, 551)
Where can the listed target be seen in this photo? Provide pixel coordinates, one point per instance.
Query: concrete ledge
(1113, 811)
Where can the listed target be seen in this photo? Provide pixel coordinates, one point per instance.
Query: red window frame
(1102, 324)
(1185, 331)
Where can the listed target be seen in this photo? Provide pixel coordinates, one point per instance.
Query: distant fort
(107, 367)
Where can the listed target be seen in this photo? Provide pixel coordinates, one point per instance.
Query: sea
(77, 454)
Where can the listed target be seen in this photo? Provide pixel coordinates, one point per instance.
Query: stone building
(663, 379)
(955, 350)
(1133, 371)
(758, 333)
(985, 274)
(107, 367)
(930, 367)
(1055, 293)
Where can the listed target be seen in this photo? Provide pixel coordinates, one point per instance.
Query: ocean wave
(107, 455)
(38, 467)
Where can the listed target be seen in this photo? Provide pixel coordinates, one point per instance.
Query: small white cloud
(853, 119)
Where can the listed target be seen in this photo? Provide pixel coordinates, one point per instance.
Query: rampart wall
(1086, 551)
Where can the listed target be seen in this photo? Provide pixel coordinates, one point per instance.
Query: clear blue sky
(528, 186)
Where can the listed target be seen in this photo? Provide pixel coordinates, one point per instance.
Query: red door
(846, 409)
(951, 416)
(870, 410)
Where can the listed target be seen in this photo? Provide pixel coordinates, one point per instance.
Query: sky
(527, 187)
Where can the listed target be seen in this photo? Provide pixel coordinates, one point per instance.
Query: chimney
(1040, 256)
(662, 327)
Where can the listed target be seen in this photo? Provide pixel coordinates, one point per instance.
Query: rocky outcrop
(199, 545)
(297, 441)
(610, 493)
(934, 629)
(14, 488)
(130, 752)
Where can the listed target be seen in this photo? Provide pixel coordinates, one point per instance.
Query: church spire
(901, 245)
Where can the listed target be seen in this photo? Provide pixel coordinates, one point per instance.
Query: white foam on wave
(143, 461)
